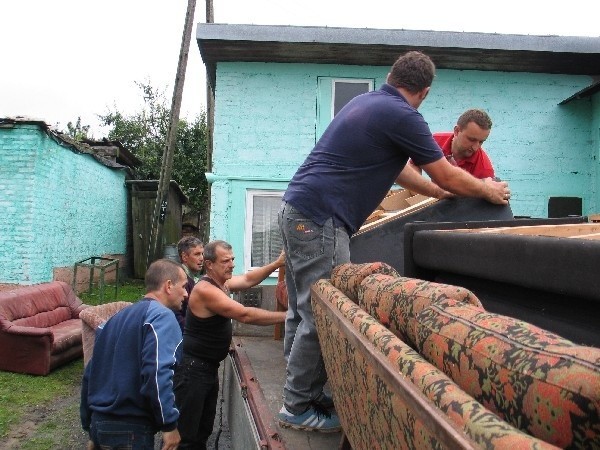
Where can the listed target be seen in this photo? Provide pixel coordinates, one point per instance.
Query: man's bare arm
(462, 183)
(412, 180)
(255, 276)
(207, 300)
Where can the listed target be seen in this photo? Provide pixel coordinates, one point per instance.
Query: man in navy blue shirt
(127, 390)
(347, 174)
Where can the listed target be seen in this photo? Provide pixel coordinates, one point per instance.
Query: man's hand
(442, 194)
(497, 191)
(281, 259)
(171, 439)
(90, 445)
(463, 184)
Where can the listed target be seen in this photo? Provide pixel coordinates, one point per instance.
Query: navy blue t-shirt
(358, 158)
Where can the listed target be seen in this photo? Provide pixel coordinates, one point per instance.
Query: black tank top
(207, 338)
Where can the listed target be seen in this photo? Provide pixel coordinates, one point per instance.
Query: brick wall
(265, 116)
(59, 206)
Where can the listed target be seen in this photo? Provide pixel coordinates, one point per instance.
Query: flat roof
(572, 55)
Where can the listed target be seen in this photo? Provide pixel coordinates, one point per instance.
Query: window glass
(264, 238)
(332, 96)
(344, 91)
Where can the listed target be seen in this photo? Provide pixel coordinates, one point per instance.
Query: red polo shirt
(478, 164)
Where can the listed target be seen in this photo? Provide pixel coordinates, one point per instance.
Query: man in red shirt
(462, 147)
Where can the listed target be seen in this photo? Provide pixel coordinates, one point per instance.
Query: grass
(130, 290)
(21, 393)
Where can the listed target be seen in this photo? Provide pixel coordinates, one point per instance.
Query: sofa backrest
(546, 385)
(40, 306)
(537, 381)
(395, 300)
(388, 396)
(348, 277)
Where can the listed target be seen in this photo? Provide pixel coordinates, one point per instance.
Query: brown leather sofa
(40, 328)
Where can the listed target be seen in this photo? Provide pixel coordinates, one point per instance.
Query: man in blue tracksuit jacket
(127, 389)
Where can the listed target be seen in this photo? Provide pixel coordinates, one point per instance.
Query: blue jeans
(312, 251)
(120, 435)
(196, 387)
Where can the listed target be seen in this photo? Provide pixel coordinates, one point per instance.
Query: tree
(144, 133)
(78, 131)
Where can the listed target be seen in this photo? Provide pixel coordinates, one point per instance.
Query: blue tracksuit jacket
(130, 375)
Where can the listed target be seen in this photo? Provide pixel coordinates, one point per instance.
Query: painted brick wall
(59, 206)
(265, 116)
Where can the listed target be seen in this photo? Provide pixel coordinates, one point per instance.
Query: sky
(65, 59)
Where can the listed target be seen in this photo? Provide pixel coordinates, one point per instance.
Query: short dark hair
(160, 271)
(478, 116)
(186, 243)
(210, 249)
(413, 71)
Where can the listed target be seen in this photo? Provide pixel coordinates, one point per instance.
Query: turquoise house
(274, 89)
(62, 202)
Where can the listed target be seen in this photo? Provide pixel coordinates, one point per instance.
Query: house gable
(266, 106)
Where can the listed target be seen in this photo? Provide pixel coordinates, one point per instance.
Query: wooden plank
(392, 215)
(567, 230)
(416, 199)
(396, 200)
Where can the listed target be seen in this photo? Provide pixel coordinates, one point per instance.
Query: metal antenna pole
(160, 207)
(210, 120)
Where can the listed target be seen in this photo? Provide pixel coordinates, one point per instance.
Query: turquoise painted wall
(59, 206)
(265, 119)
(595, 139)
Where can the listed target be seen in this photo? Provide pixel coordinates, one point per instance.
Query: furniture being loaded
(420, 364)
(40, 328)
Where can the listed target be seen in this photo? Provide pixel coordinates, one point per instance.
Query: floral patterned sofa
(418, 364)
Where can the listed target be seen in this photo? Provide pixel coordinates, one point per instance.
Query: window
(333, 94)
(263, 242)
(344, 91)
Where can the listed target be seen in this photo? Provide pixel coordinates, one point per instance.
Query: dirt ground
(57, 426)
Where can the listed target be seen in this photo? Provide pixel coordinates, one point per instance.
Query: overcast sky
(62, 59)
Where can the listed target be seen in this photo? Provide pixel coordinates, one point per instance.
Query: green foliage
(144, 133)
(78, 131)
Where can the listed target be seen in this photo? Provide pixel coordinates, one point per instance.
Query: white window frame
(326, 99)
(250, 194)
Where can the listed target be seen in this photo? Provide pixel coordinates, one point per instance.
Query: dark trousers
(196, 386)
(119, 435)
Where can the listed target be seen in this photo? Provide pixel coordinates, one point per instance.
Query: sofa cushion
(46, 319)
(539, 382)
(66, 334)
(371, 407)
(394, 300)
(347, 277)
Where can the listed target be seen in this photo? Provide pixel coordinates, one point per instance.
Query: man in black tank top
(207, 335)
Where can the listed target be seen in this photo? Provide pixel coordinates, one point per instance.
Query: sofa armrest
(80, 308)
(29, 331)
(26, 350)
